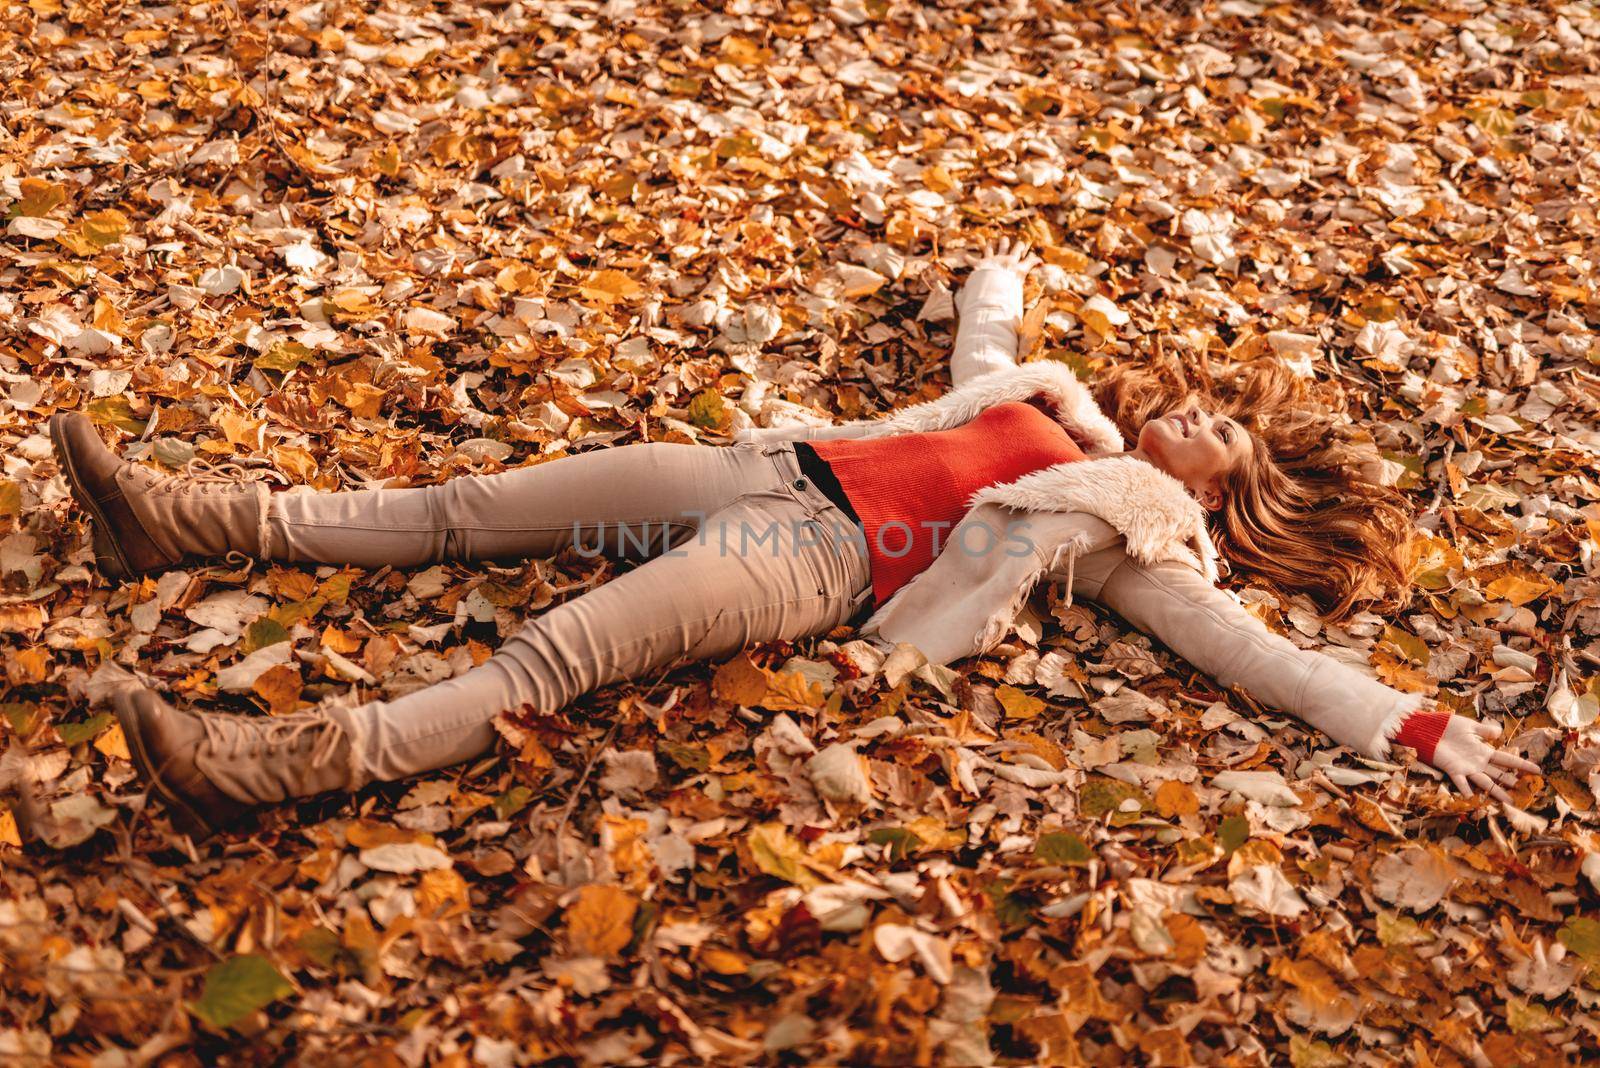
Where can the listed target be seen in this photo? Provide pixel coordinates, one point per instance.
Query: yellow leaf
(743, 51)
(340, 641)
(113, 742)
(104, 228)
(362, 398)
(935, 836)
(600, 922)
(241, 431)
(10, 497)
(9, 835)
(295, 462)
(1017, 704)
(387, 160)
(30, 665)
(1518, 589)
(609, 287)
(724, 961)
(354, 304)
(1032, 326)
(789, 690)
(442, 892)
(39, 197)
(781, 855)
(709, 411)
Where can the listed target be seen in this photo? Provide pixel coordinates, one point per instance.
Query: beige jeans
(739, 549)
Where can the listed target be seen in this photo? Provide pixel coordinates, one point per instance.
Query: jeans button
(799, 483)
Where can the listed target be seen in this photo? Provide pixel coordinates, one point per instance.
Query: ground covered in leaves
(342, 244)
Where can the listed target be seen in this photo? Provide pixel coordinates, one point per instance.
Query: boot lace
(250, 736)
(202, 477)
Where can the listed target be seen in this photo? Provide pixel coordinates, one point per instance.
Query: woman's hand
(1467, 754)
(1006, 256)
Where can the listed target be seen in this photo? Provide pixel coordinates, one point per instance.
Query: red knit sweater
(910, 490)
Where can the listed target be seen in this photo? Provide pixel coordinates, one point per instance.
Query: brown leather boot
(164, 743)
(211, 768)
(145, 521)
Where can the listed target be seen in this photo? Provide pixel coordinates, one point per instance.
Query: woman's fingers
(1490, 787)
(1461, 783)
(1487, 728)
(1514, 762)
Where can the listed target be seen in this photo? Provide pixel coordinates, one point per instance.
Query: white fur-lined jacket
(1116, 529)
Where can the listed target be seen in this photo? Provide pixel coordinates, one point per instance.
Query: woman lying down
(928, 526)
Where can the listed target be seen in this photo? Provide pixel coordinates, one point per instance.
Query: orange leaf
(1173, 798)
(600, 922)
(280, 686)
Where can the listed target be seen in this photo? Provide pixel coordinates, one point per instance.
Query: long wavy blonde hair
(1298, 515)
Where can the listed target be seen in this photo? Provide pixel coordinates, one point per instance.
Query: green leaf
(1009, 909)
(901, 841)
(336, 588)
(1410, 646)
(1314, 1053)
(320, 945)
(688, 757)
(1524, 1017)
(512, 801)
(291, 612)
(1413, 465)
(116, 411)
(1581, 935)
(83, 730)
(238, 987)
(708, 411)
(644, 921)
(284, 356)
(1062, 847)
(1106, 797)
(1397, 930)
(1233, 833)
(780, 854)
(262, 633)
(22, 716)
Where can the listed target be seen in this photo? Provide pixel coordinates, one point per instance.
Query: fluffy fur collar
(1158, 518)
(1075, 408)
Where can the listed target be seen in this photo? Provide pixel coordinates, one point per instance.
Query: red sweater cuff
(1422, 731)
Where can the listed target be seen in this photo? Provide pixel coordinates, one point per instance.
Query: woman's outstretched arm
(1175, 604)
(991, 312)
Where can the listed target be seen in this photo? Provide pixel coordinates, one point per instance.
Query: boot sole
(108, 555)
(185, 819)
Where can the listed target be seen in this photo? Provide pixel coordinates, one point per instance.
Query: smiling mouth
(1183, 424)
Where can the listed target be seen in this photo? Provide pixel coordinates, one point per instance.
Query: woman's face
(1197, 448)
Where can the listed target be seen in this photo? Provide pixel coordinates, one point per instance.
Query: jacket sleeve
(991, 312)
(1174, 603)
